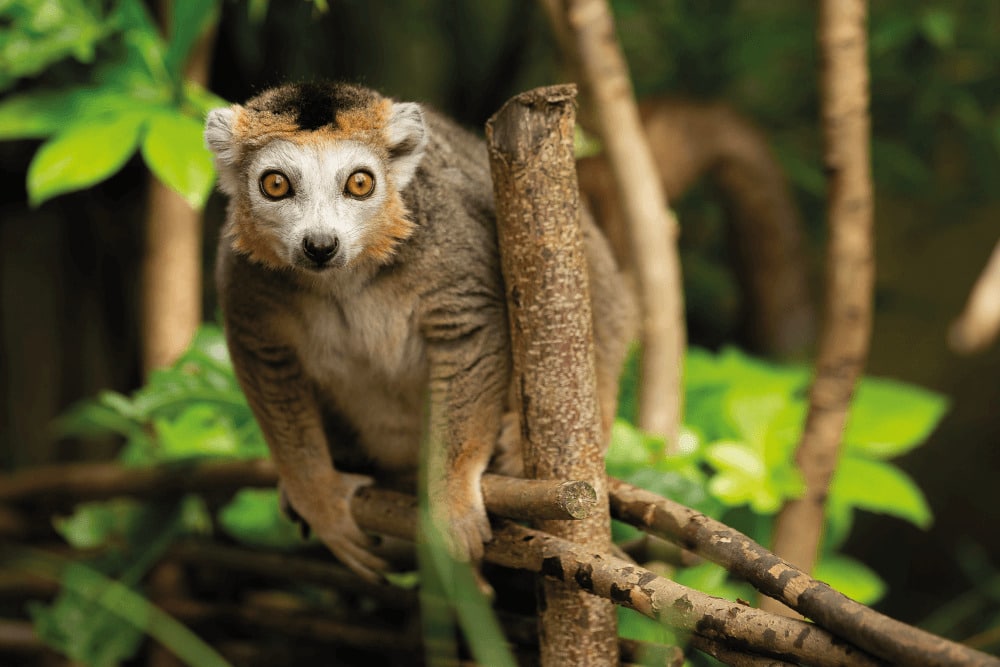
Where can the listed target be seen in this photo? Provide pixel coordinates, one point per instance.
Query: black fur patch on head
(314, 105)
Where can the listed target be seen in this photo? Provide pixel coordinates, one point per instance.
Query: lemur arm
(469, 375)
(284, 403)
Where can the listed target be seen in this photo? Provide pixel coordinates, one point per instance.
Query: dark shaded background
(69, 270)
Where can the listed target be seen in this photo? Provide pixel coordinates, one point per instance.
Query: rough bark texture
(695, 140)
(530, 143)
(394, 514)
(523, 499)
(682, 608)
(539, 499)
(652, 227)
(880, 635)
(978, 325)
(172, 265)
(850, 272)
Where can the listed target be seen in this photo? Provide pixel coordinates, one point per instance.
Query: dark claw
(289, 511)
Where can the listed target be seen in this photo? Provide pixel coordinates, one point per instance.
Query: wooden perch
(393, 513)
(843, 344)
(530, 144)
(978, 325)
(880, 635)
(78, 482)
(652, 227)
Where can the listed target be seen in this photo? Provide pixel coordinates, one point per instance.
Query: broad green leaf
(83, 154)
(201, 99)
(879, 487)
(199, 430)
(889, 418)
(253, 517)
(174, 150)
(189, 20)
(92, 524)
(100, 621)
(43, 113)
(939, 25)
(714, 580)
(851, 577)
(92, 419)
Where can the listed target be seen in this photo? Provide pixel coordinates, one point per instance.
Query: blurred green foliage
(744, 417)
(743, 420)
(111, 86)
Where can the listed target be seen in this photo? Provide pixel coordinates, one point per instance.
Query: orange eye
(360, 184)
(274, 185)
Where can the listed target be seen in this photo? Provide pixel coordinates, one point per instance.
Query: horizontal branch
(287, 567)
(511, 497)
(882, 636)
(666, 601)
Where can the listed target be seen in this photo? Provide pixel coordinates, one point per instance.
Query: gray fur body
(343, 367)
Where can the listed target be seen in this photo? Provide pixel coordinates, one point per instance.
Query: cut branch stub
(530, 142)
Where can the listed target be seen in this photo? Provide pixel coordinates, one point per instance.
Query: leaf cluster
(744, 418)
(133, 96)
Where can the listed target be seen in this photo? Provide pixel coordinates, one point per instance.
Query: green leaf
(174, 150)
(189, 20)
(43, 113)
(879, 487)
(100, 621)
(939, 26)
(199, 430)
(83, 154)
(253, 517)
(851, 577)
(889, 418)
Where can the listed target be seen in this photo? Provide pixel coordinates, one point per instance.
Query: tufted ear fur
(407, 136)
(219, 139)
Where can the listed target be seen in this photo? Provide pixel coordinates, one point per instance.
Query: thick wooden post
(541, 249)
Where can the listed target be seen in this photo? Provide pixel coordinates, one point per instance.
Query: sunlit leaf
(889, 418)
(189, 20)
(253, 517)
(83, 154)
(851, 577)
(938, 25)
(174, 150)
(879, 487)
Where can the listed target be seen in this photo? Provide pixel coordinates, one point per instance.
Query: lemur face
(315, 173)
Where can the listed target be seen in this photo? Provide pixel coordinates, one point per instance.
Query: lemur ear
(407, 136)
(219, 139)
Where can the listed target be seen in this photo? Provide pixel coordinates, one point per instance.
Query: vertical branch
(979, 323)
(850, 272)
(172, 265)
(530, 144)
(652, 226)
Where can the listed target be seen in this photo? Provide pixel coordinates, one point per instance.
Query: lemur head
(315, 171)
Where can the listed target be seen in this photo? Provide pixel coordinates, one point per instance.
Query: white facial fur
(318, 204)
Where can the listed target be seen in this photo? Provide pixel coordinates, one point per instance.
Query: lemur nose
(320, 248)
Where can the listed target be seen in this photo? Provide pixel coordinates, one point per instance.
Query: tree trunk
(172, 267)
(530, 143)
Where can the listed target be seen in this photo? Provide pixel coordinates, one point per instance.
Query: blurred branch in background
(691, 141)
(172, 276)
(978, 325)
(651, 224)
(844, 340)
